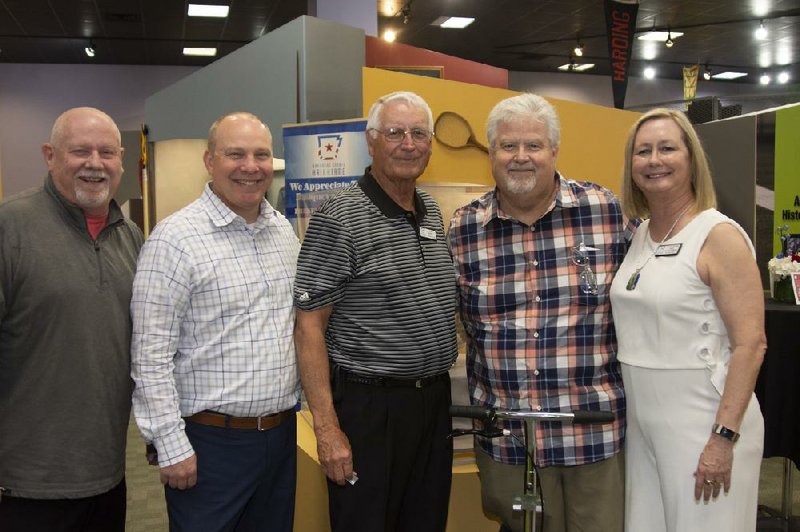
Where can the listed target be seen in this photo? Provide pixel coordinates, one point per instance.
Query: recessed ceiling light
(389, 35)
(208, 10)
(729, 75)
(453, 22)
(764, 79)
(649, 72)
(576, 67)
(202, 52)
(783, 77)
(660, 35)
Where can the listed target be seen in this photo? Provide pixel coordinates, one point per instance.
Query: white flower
(784, 267)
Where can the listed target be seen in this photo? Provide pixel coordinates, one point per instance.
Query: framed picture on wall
(429, 71)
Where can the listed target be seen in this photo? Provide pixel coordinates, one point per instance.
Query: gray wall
(33, 95)
(306, 70)
(731, 149)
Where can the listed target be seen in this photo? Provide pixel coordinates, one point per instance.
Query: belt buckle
(258, 423)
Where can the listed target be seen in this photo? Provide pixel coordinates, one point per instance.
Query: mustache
(521, 166)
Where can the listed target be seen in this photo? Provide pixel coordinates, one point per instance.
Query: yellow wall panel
(592, 136)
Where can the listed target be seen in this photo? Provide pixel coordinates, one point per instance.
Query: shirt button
(705, 327)
(539, 408)
(536, 372)
(704, 351)
(538, 299)
(536, 334)
(536, 263)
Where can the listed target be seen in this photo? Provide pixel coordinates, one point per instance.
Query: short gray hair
(412, 99)
(525, 107)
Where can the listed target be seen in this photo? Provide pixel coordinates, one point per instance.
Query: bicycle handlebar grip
(475, 412)
(592, 416)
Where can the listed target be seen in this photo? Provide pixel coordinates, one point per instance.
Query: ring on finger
(709, 482)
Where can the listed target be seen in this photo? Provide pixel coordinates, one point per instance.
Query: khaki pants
(586, 498)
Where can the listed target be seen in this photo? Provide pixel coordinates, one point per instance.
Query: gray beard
(86, 200)
(520, 186)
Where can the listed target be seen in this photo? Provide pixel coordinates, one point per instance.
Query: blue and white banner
(321, 158)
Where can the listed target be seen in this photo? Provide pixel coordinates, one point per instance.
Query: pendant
(633, 281)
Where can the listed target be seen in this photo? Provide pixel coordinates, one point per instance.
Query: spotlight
(761, 32)
(707, 73)
(389, 35)
(90, 50)
(764, 79)
(649, 72)
(669, 42)
(578, 50)
(783, 77)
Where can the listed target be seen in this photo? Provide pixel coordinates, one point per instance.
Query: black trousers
(401, 454)
(100, 513)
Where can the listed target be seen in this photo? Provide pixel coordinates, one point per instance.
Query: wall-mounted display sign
(321, 159)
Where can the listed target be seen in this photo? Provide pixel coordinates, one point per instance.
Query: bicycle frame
(530, 502)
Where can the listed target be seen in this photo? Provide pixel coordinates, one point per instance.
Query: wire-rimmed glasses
(580, 257)
(397, 134)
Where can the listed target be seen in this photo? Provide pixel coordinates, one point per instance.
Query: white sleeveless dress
(675, 351)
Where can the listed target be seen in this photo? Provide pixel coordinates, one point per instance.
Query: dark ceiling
(521, 35)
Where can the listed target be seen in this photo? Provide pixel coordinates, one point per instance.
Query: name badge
(668, 250)
(424, 232)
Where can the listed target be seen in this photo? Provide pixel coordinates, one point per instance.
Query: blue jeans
(245, 481)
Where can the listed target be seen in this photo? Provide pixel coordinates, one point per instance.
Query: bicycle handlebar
(487, 413)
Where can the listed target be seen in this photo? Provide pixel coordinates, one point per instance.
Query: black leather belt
(391, 382)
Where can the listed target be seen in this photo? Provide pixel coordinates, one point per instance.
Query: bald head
(235, 117)
(62, 123)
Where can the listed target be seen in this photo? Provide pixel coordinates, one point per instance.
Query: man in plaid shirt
(535, 258)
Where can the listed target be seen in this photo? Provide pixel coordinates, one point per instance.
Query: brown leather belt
(216, 419)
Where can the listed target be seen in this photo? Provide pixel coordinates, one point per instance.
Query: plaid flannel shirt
(536, 340)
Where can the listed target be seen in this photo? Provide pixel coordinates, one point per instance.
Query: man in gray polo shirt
(375, 334)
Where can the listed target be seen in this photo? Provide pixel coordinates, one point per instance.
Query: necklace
(634, 279)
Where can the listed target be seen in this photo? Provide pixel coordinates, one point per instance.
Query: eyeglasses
(580, 257)
(397, 134)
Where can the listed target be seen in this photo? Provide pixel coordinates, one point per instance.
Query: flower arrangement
(782, 267)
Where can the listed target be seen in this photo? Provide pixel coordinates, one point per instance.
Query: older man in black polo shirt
(375, 334)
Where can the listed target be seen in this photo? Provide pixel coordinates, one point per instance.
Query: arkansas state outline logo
(328, 147)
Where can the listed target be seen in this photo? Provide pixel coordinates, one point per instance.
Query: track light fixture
(578, 50)
(669, 42)
(761, 32)
(405, 12)
(90, 50)
(707, 73)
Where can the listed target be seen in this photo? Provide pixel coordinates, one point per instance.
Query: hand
(181, 476)
(714, 468)
(335, 455)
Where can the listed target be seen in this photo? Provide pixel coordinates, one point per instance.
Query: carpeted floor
(147, 511)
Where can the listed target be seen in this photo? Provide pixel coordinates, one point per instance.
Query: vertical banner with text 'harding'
(321, 159)
(620, 26)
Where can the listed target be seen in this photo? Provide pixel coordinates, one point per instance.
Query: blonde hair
(634, 204)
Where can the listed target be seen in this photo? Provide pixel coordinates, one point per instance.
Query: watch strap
(725, 432)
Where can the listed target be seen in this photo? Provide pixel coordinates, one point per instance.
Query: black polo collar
(369, 185)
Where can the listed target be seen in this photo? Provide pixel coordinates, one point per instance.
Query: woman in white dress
(689, 313)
